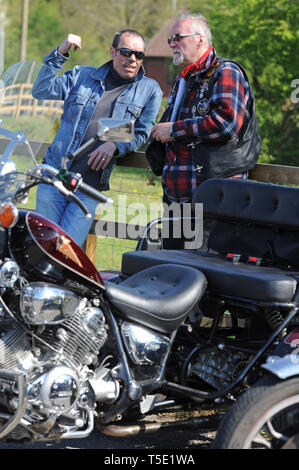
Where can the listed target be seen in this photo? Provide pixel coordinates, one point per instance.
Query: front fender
(283, 367)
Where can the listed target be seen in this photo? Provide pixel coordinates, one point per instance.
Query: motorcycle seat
(259, 283)
(159, 297)
(248, 218)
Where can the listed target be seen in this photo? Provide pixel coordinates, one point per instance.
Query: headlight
(9, 273)
(46, 304)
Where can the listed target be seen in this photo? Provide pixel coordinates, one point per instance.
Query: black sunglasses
(177, 37)
(128, 52)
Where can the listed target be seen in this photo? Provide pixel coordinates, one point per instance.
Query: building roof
(157, 45)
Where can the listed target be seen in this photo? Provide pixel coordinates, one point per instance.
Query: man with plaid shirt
(209, 126)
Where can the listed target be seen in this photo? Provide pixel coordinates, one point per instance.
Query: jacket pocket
(133, 111)
(74, 107)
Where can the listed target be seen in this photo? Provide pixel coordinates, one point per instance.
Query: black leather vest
(239, 154)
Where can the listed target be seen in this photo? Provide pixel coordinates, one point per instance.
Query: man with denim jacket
(117, 89)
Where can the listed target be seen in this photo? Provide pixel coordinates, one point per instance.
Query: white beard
(178, 56)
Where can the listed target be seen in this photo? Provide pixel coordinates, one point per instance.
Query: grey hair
(118, 35)
(199, 24)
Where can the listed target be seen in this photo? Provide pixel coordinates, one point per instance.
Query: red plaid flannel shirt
(223, 121)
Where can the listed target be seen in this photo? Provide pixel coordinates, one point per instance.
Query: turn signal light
(8, 215)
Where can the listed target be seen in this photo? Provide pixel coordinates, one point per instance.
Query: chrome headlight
(9, 273)
(46, 304)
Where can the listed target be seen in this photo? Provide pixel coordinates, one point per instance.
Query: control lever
(68, 193)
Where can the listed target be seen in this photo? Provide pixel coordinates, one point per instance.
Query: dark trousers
(171, 228)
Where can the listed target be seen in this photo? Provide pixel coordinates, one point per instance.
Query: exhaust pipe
(114, 430)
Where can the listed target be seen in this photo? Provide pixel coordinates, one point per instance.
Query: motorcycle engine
(61, 337)
(219, 366)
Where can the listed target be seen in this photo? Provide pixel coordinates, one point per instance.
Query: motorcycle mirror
(109, 130)
(115, 130)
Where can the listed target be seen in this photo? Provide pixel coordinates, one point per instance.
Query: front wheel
(266, 416)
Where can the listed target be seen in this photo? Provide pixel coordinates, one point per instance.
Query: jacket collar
(101, 72)
(202, 65)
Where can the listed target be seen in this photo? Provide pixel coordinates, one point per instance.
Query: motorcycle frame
(134, 389)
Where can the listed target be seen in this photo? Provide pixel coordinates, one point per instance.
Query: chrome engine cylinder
(80, 338)
(14, 346)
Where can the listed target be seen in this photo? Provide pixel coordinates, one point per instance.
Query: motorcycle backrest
(252, 218)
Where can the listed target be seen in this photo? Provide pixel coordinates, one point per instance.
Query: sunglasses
(128, 52)
(177, 37)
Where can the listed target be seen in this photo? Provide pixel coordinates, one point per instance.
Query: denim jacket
(81, 88)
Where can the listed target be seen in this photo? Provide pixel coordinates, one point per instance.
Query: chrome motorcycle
(173, 331)
(72, 347)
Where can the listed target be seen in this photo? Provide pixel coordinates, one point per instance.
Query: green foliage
(263, 36)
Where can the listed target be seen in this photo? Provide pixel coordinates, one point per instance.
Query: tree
(263, 36)
(94, 20)
(103, 18)
(44, 27)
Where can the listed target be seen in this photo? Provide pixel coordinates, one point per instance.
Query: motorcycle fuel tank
(40, 245)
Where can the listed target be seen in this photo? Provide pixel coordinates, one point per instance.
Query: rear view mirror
(115, 130)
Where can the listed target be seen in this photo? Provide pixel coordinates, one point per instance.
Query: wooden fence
(17, 99)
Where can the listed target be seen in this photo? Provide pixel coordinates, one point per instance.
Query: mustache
(177, 60)
(129, 62)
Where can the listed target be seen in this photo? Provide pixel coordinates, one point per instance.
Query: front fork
(16, 382)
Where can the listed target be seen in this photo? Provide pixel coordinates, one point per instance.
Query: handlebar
(90, 191)
(68, 183)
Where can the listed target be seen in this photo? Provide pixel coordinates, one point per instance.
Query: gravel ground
(160, 440)
(164, 439)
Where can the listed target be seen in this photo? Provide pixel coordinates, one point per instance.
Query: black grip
(94, 193)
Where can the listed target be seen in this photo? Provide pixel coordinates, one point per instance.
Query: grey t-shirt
(104, 108)
(114, 86)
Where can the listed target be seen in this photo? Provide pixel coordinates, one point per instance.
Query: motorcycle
(77, 351)
(73, 348)
(266, 416)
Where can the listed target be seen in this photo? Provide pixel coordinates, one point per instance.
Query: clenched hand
(70, 41)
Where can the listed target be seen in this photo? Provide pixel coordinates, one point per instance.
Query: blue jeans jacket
(81, 88)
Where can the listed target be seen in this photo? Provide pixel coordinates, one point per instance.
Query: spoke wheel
(264, 417)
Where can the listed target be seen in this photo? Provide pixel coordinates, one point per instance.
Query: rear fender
(285, 361)
(283, 367)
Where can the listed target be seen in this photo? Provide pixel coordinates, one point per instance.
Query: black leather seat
(264, 283)
(159, 297)
(249, 218)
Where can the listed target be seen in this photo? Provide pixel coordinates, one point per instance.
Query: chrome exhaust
(207, 423)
